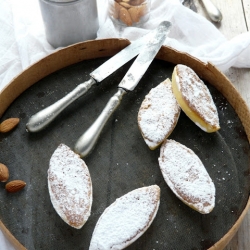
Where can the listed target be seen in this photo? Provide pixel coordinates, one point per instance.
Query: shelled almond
(8, 124)
(129, 11)
(15, 186)
(4, 173)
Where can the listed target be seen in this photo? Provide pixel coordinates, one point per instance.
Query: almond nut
(143, 10)
(4, 173)
(9, 124)
(136, 2)
(135, 14)
(15, 186)
(116, 11)
(125, 16)
(125, 5)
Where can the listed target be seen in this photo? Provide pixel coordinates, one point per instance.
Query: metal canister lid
(61, 1)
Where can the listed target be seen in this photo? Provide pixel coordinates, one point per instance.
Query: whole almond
(9, 124)
(125, 16)
(136, 2)
(138, 12)
(125, 5)
(116, 10)
(143, 10)
(15, 186)
(135, 14)
(4, 173)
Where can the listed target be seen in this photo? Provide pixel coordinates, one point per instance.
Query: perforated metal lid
(62, 1)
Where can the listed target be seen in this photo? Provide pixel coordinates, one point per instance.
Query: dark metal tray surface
(119, 163)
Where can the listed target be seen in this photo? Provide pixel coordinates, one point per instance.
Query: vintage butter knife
(87, 141)
(212, 11)
(41, 119)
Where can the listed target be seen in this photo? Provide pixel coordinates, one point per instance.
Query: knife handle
(41, 119)
(87, 141)
(213, 12)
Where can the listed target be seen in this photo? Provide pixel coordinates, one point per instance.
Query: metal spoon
(212, 11)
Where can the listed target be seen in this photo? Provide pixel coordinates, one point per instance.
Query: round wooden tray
(96, 50)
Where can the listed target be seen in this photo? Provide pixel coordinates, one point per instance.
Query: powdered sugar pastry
(187, 177)
(158, 114)
(70, 186)
(126, 219)
(196, 96)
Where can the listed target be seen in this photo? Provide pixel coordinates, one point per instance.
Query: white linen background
(23, 41)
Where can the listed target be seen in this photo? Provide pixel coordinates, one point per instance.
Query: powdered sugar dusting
(196, 94)
(126, 219)
(158, 114)
(70, 186)
(187, 177)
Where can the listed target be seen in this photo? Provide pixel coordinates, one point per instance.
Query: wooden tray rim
(108, 47)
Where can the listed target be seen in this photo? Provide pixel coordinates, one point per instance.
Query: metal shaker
(69, 21)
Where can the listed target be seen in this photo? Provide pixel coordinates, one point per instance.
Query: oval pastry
(186, 176)
(158, 114)
(126, 219)
(70, 186)
(194, 98)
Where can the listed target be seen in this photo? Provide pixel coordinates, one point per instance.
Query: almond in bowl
(129, 12)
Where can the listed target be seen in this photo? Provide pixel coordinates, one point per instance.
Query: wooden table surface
(236, 20)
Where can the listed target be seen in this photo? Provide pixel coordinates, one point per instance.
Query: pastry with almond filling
(186, 176)
(70, 186)
(125, 220)
(194, 98)
(158, 114)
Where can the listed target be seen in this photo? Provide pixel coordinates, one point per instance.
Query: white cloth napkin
(23, 40)
(191, 33)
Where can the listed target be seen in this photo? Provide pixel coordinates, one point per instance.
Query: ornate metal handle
(87, 141)
(213, 12)
(41, 119)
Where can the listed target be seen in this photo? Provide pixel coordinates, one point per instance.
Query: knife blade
(41, 119)
(86, 142)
